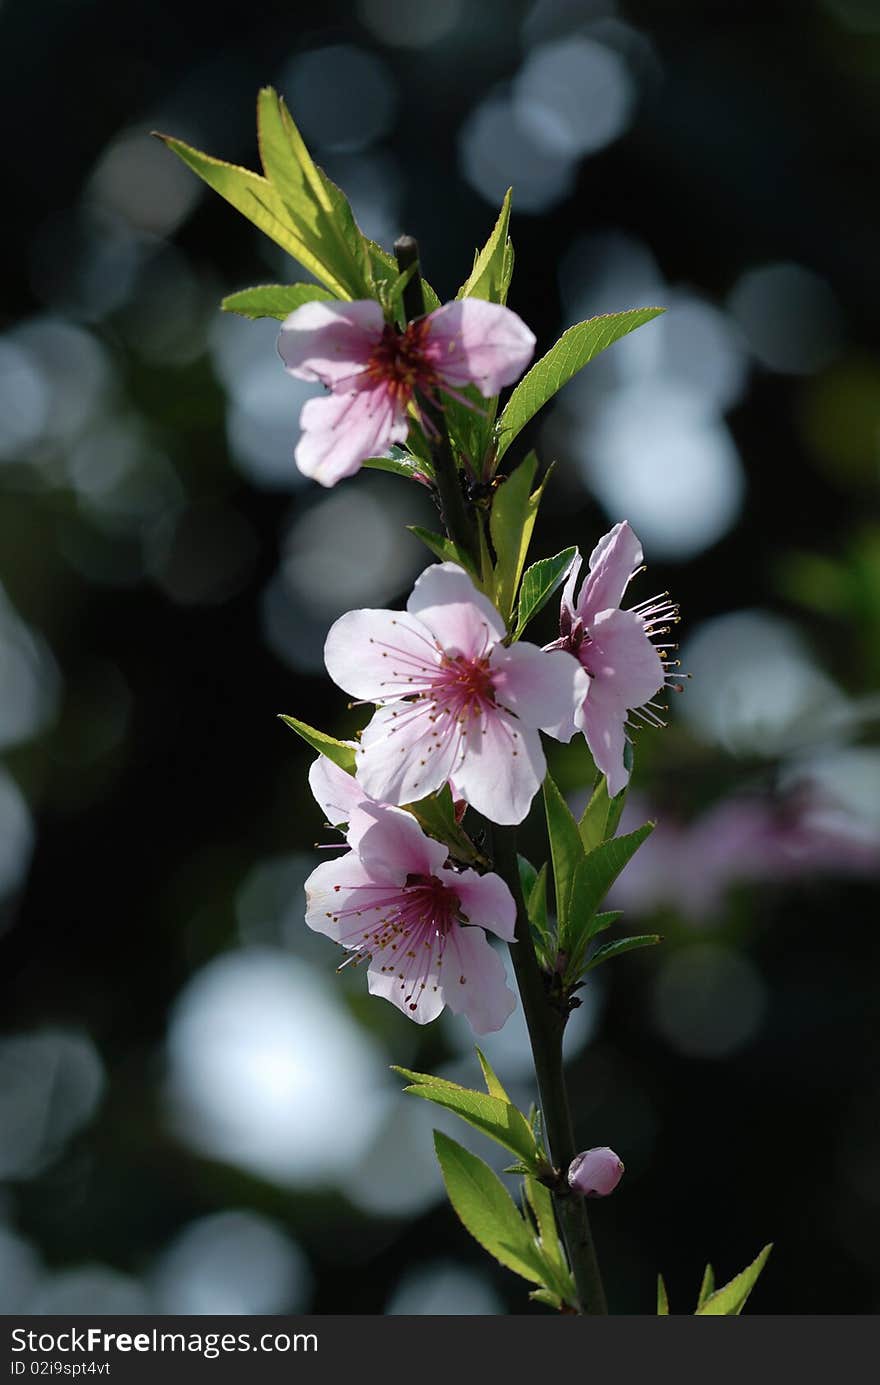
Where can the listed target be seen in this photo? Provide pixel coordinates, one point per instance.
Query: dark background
(168, 580)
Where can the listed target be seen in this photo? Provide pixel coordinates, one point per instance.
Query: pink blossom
(373, 371)
(453, 699)
(596, 1172)
(626, 670)
(393, 902)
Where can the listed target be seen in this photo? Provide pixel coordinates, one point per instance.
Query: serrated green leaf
(436, 816)
(539, 582)
(494, 1116)
(514, 510)
(487, 278)
(538, 1204)
(273, 300)
(598, 871)
(527, 875)
(536, 908)
(493, 1086)
(399, 462)
(340, 752)
(442, 548)
(621, 945)
(567, 854)
(575, 349)
(662, 1298)
(603, 921)
(487, 1211)
(546, 1297)
(258, 200)
(707, 1287)
(730, 1300)
(594, 819)
(541, 1203)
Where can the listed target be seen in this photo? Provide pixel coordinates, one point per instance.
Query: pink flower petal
(626, 672)
(394, 846)
(567, 605)
(413, 986)
(378, 654)
(339, 432)
(474, 981)
(612, 563)
(330, 342)
(485, 344)
(622, 660)
(402, 755)
(542, 688)
(338, 794)
(460, 618)
(503, 768)
(485, 900)
(343, 901)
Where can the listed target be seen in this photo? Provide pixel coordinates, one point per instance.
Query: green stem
(546, 1024)
(458, 521)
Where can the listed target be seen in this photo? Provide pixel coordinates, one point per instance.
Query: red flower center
(399, 360)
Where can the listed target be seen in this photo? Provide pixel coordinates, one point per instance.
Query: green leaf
(536, 908)
(258, 200)
(662, 1298)
(496, 1117)
(558, 1277)
(539, 583)
(487, 1211)
(493, 1086)
(616, 949)
(598, 871)
(317, 208)
(574, 349)
(399, 462)
(436, 816)
(603, 921)
(442, 548)
(730, 1300)
(594, 819)
(567, 853)
(340, 752)
(545, 1296)
(273, 300)
(514, 509)
(527, 875)
(707, 1287)
(488, 278)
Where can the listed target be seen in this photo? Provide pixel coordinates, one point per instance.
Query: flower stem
(546, 1024)
(459, 522)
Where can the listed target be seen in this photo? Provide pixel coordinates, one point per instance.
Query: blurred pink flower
(373, 371)
(393, 902)
(625, 668)
(741, 840)
(454, 700)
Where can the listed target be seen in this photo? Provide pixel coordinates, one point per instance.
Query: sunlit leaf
(662, 1298)
(339, 752)
(436, 816)
(707, 1287)
(273, 300)
(442, 548)
(514, 510)
(730, 1300)
(574, 349)
(487, 278)
(539, 582)
(487, 1211)
(494, 1116)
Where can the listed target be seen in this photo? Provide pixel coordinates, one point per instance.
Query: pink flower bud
(595, 1173)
